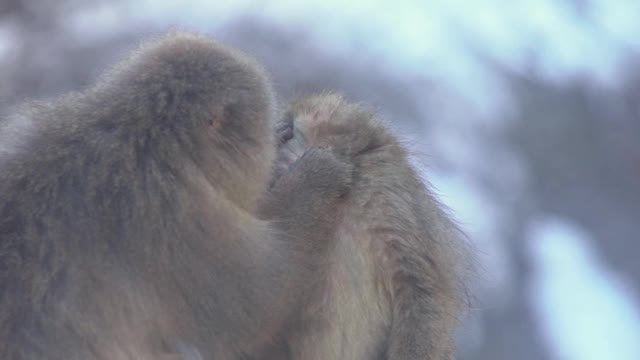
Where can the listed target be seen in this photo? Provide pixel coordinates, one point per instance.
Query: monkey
(135, 219)
(393, 282)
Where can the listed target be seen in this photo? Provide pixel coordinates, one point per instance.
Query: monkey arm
(267, 258)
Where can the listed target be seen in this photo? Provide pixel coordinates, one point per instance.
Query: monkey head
(332, 122)
(211, 106)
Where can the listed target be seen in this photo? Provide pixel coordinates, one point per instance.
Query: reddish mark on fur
(215, 122)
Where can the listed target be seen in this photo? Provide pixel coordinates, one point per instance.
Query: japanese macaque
(129, 220)
(392, 286)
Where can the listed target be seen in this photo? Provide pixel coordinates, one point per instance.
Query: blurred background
(524, 115)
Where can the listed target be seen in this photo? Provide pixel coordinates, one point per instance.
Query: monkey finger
(322, 168)
(284, 129)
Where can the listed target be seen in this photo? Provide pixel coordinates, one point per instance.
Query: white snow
(586, 310)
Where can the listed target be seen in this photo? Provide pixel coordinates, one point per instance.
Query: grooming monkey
(129, 226)
(392, 287)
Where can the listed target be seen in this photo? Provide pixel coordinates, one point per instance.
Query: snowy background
(524, 115)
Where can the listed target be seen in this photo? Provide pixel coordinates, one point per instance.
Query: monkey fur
(392, 287)
(129, 226)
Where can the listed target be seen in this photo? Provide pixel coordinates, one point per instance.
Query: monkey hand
(324, 172)
(316, 178)
(314, 184)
